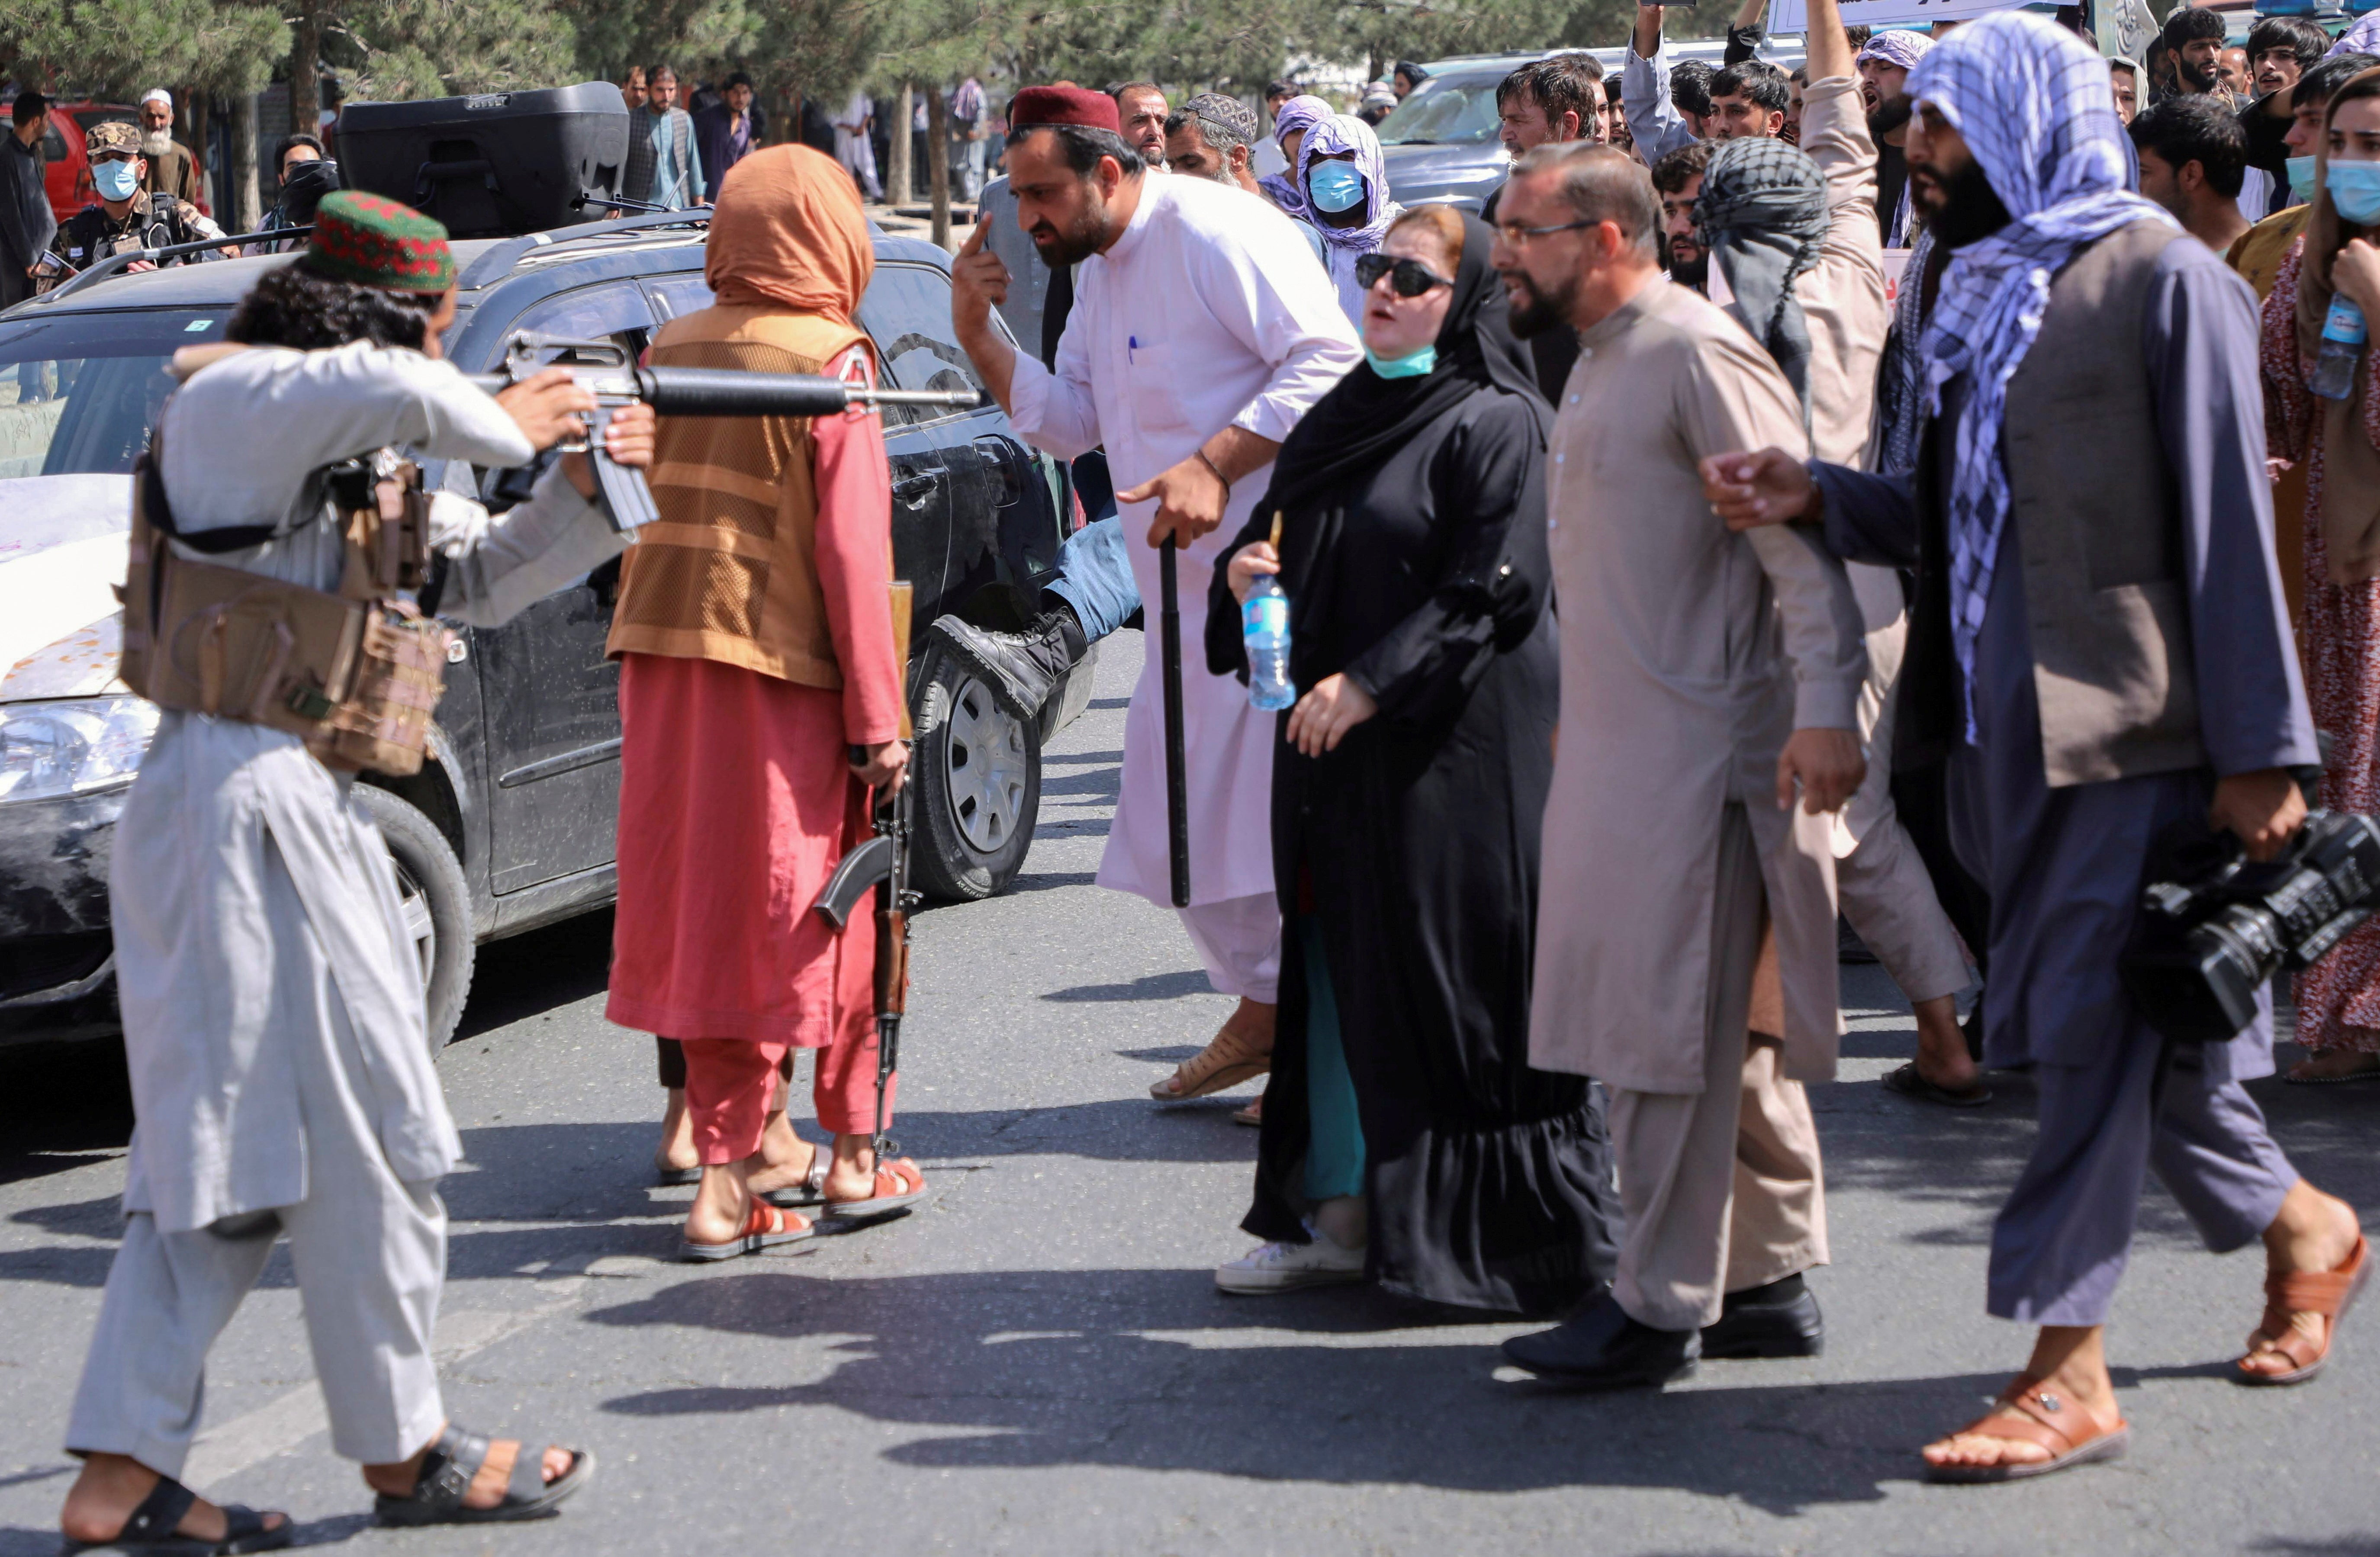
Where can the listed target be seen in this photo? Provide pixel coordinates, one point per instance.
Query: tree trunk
(247, 209)
(897, 189)
(938, 160)
(210, 198)
(306, 69)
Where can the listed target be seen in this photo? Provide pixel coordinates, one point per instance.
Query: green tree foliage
(391, 49)
(121, 47)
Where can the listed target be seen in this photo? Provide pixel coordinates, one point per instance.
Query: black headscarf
(1353, 430)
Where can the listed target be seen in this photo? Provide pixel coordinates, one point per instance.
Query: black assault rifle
(883, 863)
(605, 371)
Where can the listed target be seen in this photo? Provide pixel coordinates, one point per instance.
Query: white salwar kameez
(273, 1011)
(1207, 312)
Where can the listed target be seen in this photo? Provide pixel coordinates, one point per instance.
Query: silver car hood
(61, 553)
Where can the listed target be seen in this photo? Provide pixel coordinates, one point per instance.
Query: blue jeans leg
(1095, 577)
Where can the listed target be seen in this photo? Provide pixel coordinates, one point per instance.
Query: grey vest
(2100, 535)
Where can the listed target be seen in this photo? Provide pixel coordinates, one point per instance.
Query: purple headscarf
(1342, 246)
(1301, 112)
(1897, 46)
(2364, 38)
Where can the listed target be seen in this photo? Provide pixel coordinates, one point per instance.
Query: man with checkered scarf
(2100, 646)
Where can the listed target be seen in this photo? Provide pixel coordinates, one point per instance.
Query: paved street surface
(1037, 1361)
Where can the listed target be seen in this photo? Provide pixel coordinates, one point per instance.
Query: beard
(1079, 242)
(2195, 78)
(1964, 211)
(156, 143)
(1535, 311)
(1890, 115)
(1687, 271)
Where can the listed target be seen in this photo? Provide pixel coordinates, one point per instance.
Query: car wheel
(978, 769)
(436, 901)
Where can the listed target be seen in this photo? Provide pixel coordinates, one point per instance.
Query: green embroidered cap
(375, 241)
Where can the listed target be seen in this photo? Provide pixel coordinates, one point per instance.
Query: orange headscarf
(788, 231)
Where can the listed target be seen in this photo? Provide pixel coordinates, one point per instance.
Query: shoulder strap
(149, 470)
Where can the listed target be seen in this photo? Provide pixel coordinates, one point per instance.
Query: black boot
(1603, 1350)
(1777, 1321)
(1022, 669)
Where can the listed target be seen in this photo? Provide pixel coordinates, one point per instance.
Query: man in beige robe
(1702, 681)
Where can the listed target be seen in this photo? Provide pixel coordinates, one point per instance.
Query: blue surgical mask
(2300, 177)
(1335, 186)
(116, 180)
(2355, 190)
(1412, 365)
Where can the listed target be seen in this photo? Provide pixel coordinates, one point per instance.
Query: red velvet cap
(1063, 106)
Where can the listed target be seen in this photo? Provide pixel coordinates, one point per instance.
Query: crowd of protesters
(1931, 610)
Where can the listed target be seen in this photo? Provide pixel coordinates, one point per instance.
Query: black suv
(510, 825)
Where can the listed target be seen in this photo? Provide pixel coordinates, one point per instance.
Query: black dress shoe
(1603, 1350)
(1021, 669)
(1777, 1321)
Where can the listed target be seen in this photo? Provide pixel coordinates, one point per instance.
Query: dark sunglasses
(1412, 277)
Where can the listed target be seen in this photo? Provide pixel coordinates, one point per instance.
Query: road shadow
(1155, 1371)
(62, 1106)
(1150, 986)
(524, 976)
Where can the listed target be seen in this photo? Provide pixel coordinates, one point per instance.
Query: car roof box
(497, 164)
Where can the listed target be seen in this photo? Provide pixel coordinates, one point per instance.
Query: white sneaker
(1286, 1267)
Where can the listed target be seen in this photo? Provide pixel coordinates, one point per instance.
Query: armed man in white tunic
(272, 1001)
(1201, 332)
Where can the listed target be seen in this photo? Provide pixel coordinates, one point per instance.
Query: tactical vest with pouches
(354, 674)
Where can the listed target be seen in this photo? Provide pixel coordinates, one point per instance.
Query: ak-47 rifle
(883, 862)
(604, 370)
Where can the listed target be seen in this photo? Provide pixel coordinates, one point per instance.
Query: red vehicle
(68, 173)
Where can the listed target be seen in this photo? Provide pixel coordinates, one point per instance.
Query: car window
(907, 310)
(677, 295)
(1445, 111)
(54, 145)
(79, 392)
(614, 313)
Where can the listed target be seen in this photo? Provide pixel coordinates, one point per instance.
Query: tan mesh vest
(728, 573)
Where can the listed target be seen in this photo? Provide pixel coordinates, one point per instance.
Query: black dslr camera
(2214, 927)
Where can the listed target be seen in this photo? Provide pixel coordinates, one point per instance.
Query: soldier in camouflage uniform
(133, 219)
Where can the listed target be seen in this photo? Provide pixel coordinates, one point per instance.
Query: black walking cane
(1177, 782)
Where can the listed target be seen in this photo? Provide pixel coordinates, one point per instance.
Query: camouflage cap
(112, 135)
(375, 241)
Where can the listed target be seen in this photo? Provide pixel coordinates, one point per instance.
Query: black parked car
(510, 825)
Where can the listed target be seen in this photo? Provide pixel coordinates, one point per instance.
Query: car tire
(978, 769)
(436, 901)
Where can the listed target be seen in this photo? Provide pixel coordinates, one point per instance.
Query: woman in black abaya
(1405, 1138)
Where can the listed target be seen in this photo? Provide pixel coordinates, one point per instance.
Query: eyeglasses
(1412, 278)
(1518, 237)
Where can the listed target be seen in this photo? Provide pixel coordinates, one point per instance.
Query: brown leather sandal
(2045, 1418)
(2327, 1293)
(1232, 1057)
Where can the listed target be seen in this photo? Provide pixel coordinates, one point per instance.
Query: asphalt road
(1037, 1361)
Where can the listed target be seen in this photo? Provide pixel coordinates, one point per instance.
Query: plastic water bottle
(2343, 337)
(1264, 626)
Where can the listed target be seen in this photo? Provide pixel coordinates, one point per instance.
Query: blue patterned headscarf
(2032, 101)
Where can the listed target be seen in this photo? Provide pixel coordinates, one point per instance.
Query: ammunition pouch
(356, 674)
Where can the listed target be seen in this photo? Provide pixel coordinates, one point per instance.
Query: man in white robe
(851, 146)
(1201, 332)
(274, 1010)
